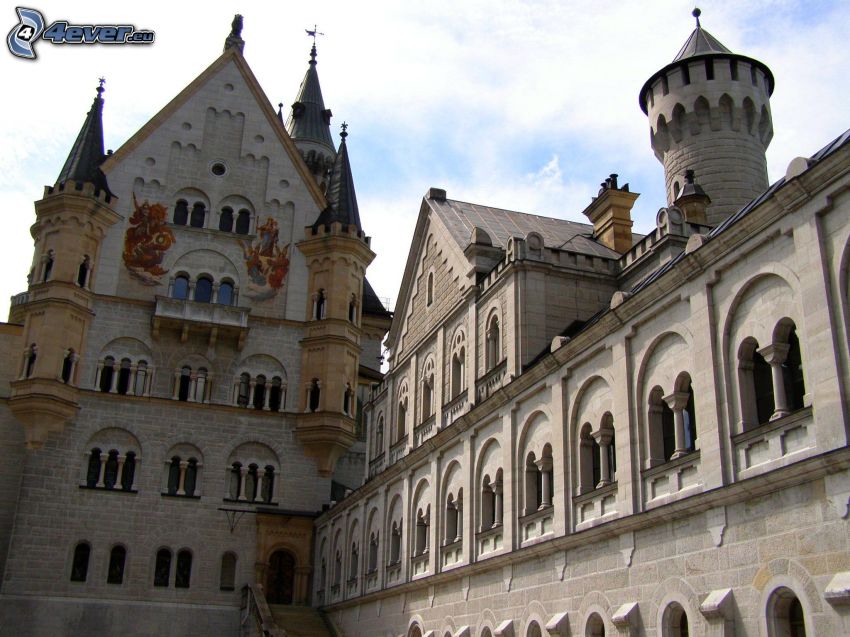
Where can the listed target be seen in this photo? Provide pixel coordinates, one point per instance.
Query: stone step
(299, 621)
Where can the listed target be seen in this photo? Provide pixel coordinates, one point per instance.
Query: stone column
(544, 465)
(176, 393)
(459, 525)
(103, 458)
(116, 371)
(497, 505)
(243, 472)
(251, 392)
(181, 482)
(775, 354)
(677, 401)
(131, 387)
(120, 473)
(603, 439)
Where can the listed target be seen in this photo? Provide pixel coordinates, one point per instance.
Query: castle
(582, 430)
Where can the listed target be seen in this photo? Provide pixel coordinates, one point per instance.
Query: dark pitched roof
(460, 218)
(371, 303)
(342, 200)
(86, 156)
(309, 119)
(699, 43)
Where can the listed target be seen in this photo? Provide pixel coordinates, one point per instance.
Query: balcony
(595, 507)
(455, 408)
(672, 480)
(425, 430)
(376, 465)
(491, 381)
(210, 319)
(775, 444)
(398, 451)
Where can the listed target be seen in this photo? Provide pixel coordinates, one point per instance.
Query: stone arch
(534, 612)
(661, 136)
(597, 603)
(774, 581)
(678, 121)
(211, 263)
(535, 432)
(675, 590)
(727, 112)
(486, 621)
(415, 626)
(702, 116)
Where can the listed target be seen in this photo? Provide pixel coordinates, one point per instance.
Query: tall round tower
(709, 111)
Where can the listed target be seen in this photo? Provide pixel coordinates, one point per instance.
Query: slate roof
(309, 119)
(461, 217)
(86, 156)
(699, 43)
(342, 200)
(371, 303)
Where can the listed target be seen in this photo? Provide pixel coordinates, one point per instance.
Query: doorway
(280, 582)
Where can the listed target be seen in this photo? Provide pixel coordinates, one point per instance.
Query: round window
(218, 169)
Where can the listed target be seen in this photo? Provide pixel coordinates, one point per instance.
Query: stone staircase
(299, 621)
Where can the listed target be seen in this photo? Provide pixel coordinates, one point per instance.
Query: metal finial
(313, 33)
(696, 13)
(344, 133)
(100, 82)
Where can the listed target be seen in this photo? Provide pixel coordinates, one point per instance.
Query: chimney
(692, 201)
(610, 214)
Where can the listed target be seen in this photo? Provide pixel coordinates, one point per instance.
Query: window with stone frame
(80, 562)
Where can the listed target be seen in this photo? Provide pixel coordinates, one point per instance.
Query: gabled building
(586, 431)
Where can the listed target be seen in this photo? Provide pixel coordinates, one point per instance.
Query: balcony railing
(376, 465)
(595, 507)
(452, 553)
(491, 539)
(19, 299)
(398, 450)
(672, 480)
(537, 524)
(775, 443)
(455, 408)
(491, 381)
(424, 430)
(419, 563)
(212, 319)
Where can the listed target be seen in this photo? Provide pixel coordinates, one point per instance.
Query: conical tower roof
(342, 200)
(309, 119)
(700, 42)
(83, 163)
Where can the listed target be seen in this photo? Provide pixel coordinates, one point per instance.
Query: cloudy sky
(520, 105)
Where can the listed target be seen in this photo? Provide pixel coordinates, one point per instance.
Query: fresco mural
(146, 241)
(267, 263)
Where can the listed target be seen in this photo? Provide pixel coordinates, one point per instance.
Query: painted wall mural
(266, 261)
(146, 241)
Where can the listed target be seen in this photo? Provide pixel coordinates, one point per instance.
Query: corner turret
(709, 111)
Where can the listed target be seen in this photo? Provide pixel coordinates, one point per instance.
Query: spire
(310, 120)
(234, 40)
(83, 163)
(342, 201)
(700, 42)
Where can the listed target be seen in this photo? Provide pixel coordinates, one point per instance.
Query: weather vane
(313, 33)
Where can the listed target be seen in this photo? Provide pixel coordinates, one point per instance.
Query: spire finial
(344, 133)
(313, 33)
(100, 82)
(696, 13)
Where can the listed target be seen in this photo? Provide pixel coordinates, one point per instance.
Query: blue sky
(520, 105)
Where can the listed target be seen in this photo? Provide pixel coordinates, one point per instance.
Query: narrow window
(68, 366)
(181, 212)
(686, 74)
(83, 272)
(227, 577)
(709, 69)
(352, 563)
(32, 353)
(763, 383)
(668, 430)
(48, 266)
(225, 293)
(243, 222)
(733, 69)
(402, 417)
(753, 76)
(493, 350)
(690, 418)
(80, 564)
(180, 289)
(596, 458)
(141, 378)
(395, 544)
(267, 489)
(184, 569)
(174, 475)
(190, 481)
(185, 382)
(235, 482)
(106, 373)
(129, 472)
(792, 373)
(251, 483)
(320, 304)
(665, 87)
(199, 214)
(124, 376)
(352, 311)
(115, 572)
(244, 389)
(314, 395)
(276, 394)
(110, 473)
(162, 568)
(93, 472)
(225, 221)
(260, 392)
(203, 290)
(373, 553)
(430, 295)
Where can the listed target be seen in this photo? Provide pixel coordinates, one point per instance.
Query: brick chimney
(610, 214)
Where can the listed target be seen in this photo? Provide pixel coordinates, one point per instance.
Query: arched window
(792, 372)
(203, 289)
(533, 482)
(243, 222)
(276, 394)
(373, 553)
(29, 360)
(267, 487)
(321, 301)
(200, 393)
(491, 501)
(174, 476)
(106, 374)
(115, 572)
(68, 366)
(346, 399)
(588, 461)
(225, 293)
(785, 616)
(128, 471)
(124, 372)
(181, 212)
(190, 481)
(755, 381)
(184, 383)
(180, 289)
(235, 480)
(110, 474)
(93, 471)
(83, 272)
(428, 389)
(430, 293)
(454, 518)
(337, 569)
(395, 543)
(353, 560)
(533, 630)
(668, 430)
(80, 563)
(352, 310)
(251, 482)
(458, 364)
(162, 568)
(183, 574)
(259, 392)
(141, 378)
(379, 437)
(199, 214)
(227, 575)
(313, 395)
(225, 220)
(423, 524)
(493, 350)
(48, 265)
(595, 626)
(244, 389)
(401, 421)
(675, 621)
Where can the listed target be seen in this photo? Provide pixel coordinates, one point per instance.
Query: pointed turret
(342, 200)
(709, 112)
(309, 123)
(83, 163)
